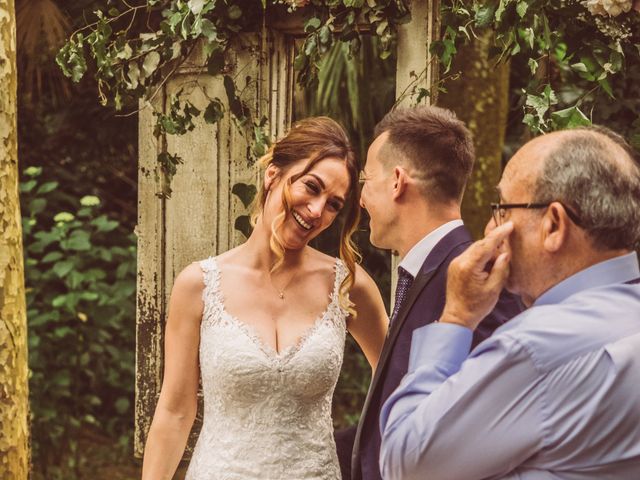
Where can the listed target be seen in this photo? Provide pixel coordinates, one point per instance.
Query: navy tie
(405, 279)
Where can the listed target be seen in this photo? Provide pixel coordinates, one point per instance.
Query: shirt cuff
(444, 344)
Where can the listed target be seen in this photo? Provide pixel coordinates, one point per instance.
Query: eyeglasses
(499, 210)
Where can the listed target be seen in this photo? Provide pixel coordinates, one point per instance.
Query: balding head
(594, 172)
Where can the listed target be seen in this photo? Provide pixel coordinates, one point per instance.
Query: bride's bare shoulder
(320, 260)
(190, 281)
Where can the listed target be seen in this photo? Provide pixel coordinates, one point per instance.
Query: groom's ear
(400, 180)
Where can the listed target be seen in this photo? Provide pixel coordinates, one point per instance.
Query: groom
(416, 171)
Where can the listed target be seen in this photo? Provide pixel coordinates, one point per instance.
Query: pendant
(281, 295)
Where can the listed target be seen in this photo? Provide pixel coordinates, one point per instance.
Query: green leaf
(501, 9)
(485, 14)
(246, 193)
(606, 86)
(234, 12)
(52, 257)
(89, 201)
(579, 67)
(33, 171)
(46, 188)
(26, 187)
(569, 118)
(196, 6)
(133, 75)
(122, 405)
(151, 62)
(79, 241)
(92, 296)
(312, 24)
(59, 301)
(561, 51)
(522, 8)
(208, 29)
(61, 269)
(214, 111)
(528, 36)
(533, 66)
(64, 217)
(243, 225)
(215, 63)
(62, 378)
(103, 224)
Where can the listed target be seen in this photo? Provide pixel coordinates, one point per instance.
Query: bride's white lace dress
(267, 415)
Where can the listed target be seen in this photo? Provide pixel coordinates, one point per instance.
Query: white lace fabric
(267, 415)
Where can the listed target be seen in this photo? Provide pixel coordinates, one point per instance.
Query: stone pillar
(416, 69)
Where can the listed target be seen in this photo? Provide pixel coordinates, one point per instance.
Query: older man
(553, 394)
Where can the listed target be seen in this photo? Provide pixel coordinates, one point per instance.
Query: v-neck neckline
(251, 333)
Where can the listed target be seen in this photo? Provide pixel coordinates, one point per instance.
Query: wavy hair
(315, 138)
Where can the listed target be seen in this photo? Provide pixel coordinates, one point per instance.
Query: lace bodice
(267, 415)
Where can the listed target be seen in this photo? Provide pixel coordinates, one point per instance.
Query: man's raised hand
(476, 278)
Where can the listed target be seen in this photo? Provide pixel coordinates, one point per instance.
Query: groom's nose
(362, 205)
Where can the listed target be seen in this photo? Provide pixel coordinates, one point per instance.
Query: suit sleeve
(452, 419)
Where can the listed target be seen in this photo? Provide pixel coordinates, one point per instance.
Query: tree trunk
(480, 98)
(14, 437)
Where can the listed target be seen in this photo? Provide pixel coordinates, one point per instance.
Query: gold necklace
(283, 289)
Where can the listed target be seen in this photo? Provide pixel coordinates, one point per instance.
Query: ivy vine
(135, 49)
(584, 43)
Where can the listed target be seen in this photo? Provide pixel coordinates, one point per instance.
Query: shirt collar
(413, 260)
(615, 270)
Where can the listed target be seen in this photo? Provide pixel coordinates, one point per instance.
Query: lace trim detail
(216, 313)
(211, 292)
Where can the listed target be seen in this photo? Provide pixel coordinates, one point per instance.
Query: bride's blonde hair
(315, 138)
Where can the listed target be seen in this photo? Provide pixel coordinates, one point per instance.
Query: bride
(263, 325)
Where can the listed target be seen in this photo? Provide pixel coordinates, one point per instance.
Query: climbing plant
(135, 49)
(582, 44)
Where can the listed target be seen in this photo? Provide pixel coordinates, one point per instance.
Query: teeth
(299, 219)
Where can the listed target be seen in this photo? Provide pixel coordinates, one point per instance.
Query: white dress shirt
(413, 260)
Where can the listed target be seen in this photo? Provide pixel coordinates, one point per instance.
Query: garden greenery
(582, 43)
(588, 39)
(134, 63)
(80, 281)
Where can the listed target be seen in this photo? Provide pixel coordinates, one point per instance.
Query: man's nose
(362, 205)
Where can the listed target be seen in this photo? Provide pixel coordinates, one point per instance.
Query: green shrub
(80, 276)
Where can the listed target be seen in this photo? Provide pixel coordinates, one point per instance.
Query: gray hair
(586, 173)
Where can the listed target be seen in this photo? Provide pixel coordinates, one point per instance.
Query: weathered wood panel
(150, 305)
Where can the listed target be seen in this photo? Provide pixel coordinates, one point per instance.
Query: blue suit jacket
(423, 305)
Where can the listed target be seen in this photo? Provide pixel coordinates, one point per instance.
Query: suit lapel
(433, 261)
(416, 289)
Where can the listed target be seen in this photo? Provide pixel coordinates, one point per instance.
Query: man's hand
(476, 278)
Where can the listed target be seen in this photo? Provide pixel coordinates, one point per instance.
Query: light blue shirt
(553, 394)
